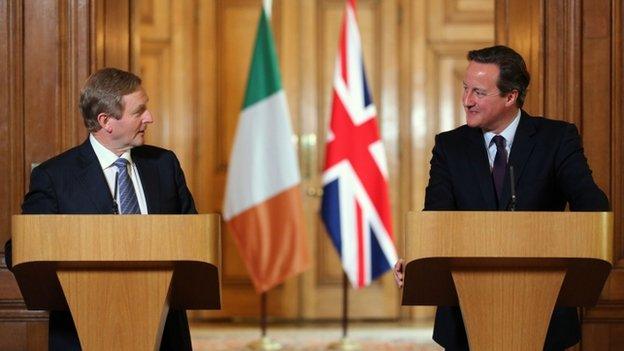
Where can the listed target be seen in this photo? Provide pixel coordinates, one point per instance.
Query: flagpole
(263, 314)
(265, 343)
(345, 344)
(345, 305)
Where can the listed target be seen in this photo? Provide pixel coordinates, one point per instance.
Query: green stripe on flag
(264, 77)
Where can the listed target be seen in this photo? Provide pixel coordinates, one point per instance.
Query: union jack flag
(355, 206)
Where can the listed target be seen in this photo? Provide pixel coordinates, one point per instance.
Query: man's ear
(511, 98)
(104, 122)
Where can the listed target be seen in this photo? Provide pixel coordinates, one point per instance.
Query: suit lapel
(477, 157)
(92, 180)
(520, 151)
(149, 179)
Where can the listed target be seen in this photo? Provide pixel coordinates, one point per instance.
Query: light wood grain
(531, 293)
(116, 238)
(576, 65)
(507, 270)
(105, 309)
(118, 274)
(509, 234)
(414, 53)
(435, 38)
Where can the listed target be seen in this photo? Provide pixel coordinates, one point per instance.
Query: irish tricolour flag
(263, 207)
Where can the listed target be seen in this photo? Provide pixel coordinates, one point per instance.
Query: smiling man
(111, 172)
(470, 170)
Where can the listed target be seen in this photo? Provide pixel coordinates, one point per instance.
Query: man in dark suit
(111, 172)
(470, 170)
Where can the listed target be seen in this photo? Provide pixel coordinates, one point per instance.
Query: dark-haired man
(82, 180)
(469, 170)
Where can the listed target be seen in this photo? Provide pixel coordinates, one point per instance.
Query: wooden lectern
(119, 275)
(507, 270)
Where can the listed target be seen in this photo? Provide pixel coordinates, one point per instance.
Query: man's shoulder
(461, 132)
(63, 160)
(152, 152)
(540, 123)
(549, 128)
(545, 122)
(77, 155)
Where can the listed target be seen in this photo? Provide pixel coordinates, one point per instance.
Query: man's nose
(467, 99)
(147, 117)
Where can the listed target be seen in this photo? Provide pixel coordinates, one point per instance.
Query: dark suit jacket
(73, 183)
(550, 172)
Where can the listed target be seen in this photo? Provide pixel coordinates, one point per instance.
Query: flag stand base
(345, 344)
(265, 344)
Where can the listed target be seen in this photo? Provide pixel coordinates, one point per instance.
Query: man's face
(485, 107)
(129, 131)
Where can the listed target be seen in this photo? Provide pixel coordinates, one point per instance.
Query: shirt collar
(104, 155)
(508, 133)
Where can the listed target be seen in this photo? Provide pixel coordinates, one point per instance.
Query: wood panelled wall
(47, 50)
(576, 57)
(195, 71)
(194, 58)
(435, 35)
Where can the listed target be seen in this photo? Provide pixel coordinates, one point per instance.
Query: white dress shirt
(106, 159)
(508, 134)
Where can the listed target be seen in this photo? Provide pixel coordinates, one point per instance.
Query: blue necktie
(128, 203)
(500, 164)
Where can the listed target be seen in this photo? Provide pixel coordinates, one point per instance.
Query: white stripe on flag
(264, 139)
(267, 4)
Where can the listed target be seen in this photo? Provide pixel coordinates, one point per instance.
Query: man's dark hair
(103, 93)
(513, 72)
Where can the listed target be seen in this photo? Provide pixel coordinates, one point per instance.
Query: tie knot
(499, 140)
(121, 163)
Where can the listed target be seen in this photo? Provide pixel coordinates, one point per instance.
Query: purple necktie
(500, 164)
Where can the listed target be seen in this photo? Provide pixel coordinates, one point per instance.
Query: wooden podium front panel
(117, 309)
(517, 312)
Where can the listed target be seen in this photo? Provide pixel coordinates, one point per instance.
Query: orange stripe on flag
(271, 239)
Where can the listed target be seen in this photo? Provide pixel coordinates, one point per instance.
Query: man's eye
(479, 93)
